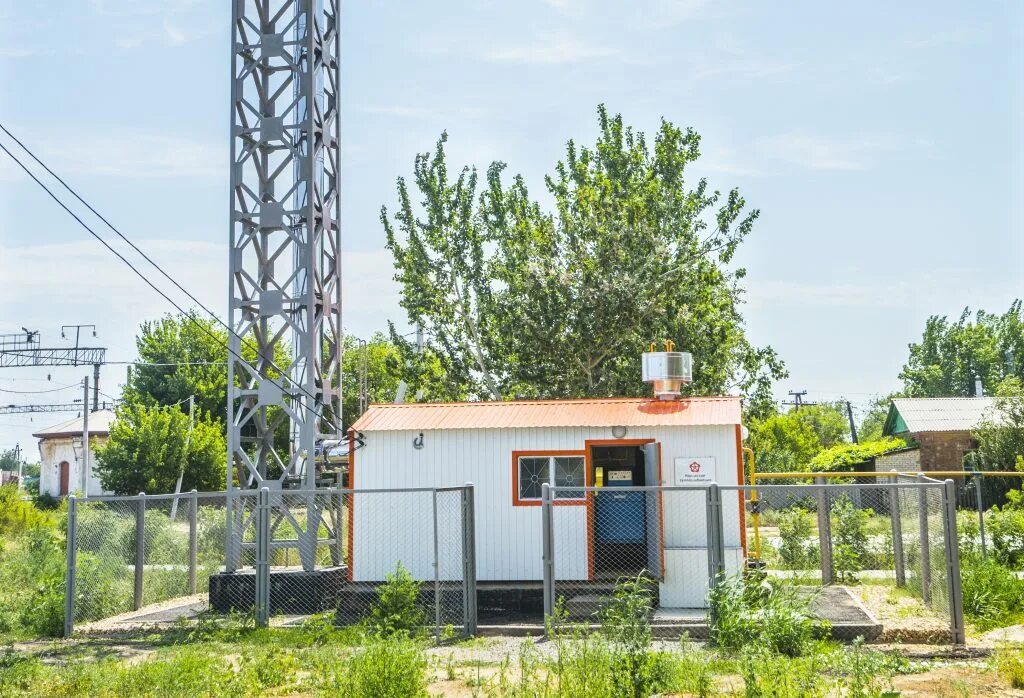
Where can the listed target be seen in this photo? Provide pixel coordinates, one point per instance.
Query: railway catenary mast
(285, 276)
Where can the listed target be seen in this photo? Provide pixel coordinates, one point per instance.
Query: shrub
(1005, 528)
(392, 666)
(766, 675)
(795, 530)
(849, 526)
(968, 534)
(992, 594)
(625, 621)
(397, 608)
(17, 515)
(1010, 663)
(774, 618)
(32, 584)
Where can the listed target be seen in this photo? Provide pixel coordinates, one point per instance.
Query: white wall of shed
(55, 450)
(389, 528)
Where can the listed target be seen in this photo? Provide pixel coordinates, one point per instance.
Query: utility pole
(798, 401)
(17, 458)
(853, 426)
(85, 436)
(188, 441)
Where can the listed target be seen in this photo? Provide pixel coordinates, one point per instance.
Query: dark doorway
(65, 478)
(620, 519)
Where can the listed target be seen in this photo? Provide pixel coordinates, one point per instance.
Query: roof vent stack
(667, 370)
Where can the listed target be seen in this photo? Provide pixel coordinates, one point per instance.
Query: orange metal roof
(523, 414)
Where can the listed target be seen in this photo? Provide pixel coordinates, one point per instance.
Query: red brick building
(941, 427)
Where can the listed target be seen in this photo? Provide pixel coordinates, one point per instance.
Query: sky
(882, 142)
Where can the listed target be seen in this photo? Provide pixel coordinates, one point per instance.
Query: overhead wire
(131, 266)
(37, 392)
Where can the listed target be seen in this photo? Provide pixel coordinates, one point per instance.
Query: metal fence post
(263, 558)
(548, 551)
(140, 547)
(716, 551)
(978, 483)
(956, 596)
(824, 530)
(468, 560)
(926, 551)
(437, 574)
(193, 539)
(897, 533)
(71, 568)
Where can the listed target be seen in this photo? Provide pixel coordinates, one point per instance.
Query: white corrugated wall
(509, 537)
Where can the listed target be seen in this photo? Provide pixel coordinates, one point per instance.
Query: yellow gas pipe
(755, 515)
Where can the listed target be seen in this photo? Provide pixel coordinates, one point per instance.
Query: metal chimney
(667, 370)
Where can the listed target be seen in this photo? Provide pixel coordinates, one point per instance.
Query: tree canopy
(951, 354)
(149, 445)
(387, 364)
(522, 301)
(789, 441)
(179, 356)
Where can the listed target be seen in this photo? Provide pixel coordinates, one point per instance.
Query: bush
(1010, 663)
(1005, 529)
(397, 608)
(392, 666)
(850, 532)
(625, 621)
(993, 595)
(795, 530)
(773, 618)
(17, 515)
(32, 584)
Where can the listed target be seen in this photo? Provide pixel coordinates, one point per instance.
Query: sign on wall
(693, 471)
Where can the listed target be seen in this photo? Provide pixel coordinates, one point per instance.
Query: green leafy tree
(789, 441)
(871, 426)
(1000, 436)
(387, 364)
(522, 301)
(951, 354)
(149, 446)
(179, 356)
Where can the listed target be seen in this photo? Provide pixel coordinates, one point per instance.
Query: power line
(37, 392)
(136, 270)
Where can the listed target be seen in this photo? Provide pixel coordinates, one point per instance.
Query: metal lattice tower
(285, 275)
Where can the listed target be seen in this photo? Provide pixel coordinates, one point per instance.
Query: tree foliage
(1000, 436)
(149, 446)
(951, 354)
(180, 355)
(844, 455)
(522, 301)
(387, 364)
(788, 441)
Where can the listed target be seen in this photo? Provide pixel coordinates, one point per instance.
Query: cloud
(943, 287)
(550, 49)
(48, 289)
(823, 153)
(11, 52)
(663, 14)
(131, 153)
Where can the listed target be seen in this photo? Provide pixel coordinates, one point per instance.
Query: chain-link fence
(369, 556)
(899, 534)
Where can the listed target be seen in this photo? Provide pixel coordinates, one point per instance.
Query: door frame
(63, 479)
(588, 446)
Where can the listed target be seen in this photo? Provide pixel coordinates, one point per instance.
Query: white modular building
(509, 449)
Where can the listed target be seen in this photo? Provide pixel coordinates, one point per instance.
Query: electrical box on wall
(693, 471)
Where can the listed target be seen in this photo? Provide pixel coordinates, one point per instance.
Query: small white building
(61, 455)
(508, 449)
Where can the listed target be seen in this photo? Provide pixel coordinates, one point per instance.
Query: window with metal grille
(562, 471)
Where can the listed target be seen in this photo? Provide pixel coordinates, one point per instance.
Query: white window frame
(551, 475)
